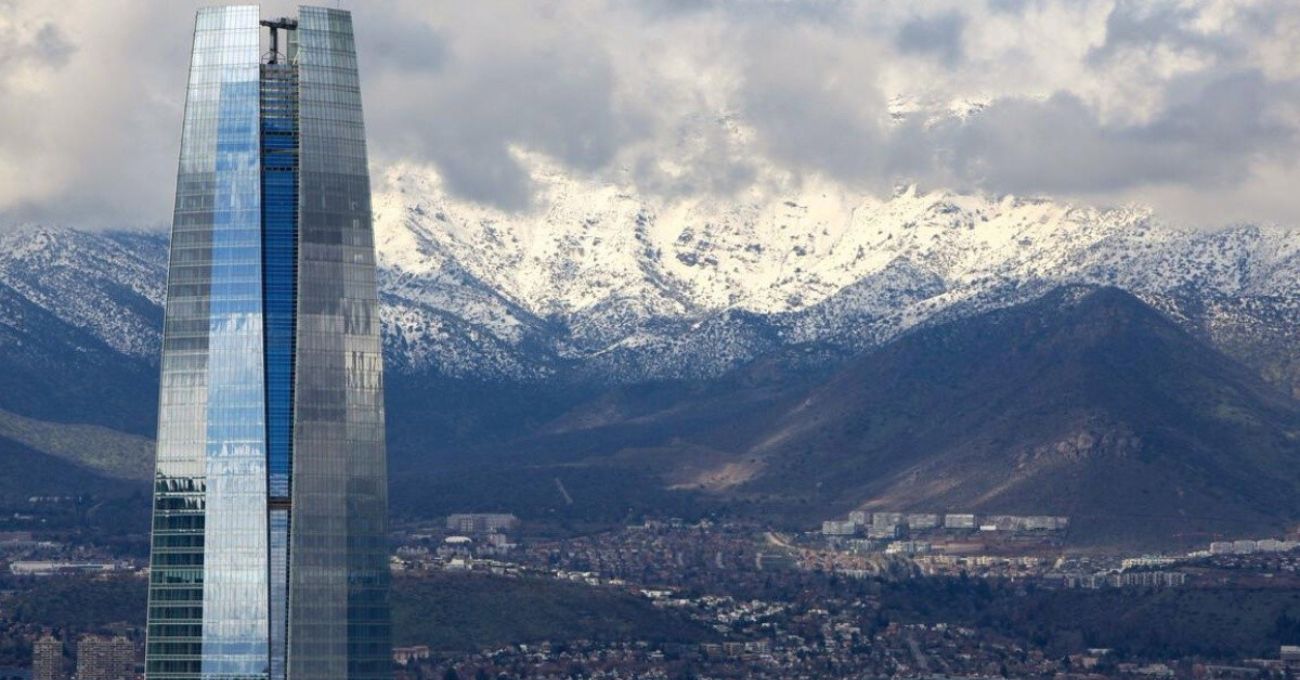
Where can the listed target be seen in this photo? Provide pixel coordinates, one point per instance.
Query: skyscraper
(269, 556)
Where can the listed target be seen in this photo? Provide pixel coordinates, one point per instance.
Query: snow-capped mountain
(633, 288)
(110, 286)
(598, 282)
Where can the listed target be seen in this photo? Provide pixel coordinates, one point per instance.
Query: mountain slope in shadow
(1085, 402)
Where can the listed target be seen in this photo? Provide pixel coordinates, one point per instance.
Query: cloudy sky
(1190, 107)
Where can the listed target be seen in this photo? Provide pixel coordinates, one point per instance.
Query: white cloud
(1191, 106)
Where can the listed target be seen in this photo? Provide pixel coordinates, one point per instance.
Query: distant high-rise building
(104, 658)
(269, 553)
(481, 522)
(47, 659)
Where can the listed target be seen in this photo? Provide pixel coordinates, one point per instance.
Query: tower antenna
(275, 25)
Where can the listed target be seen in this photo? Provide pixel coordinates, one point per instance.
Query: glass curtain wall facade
(269, 556)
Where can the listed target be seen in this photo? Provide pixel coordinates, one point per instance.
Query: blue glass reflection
(235, 575)
(235, 617)
(279, 105)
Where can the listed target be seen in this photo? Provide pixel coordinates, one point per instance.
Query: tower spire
(286, 23)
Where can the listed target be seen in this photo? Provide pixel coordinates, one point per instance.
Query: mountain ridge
(601, 285)
(580, 334)
(1085, 402)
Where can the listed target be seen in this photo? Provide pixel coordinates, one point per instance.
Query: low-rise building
(481, 522)
(959, 521)
(907, 548)
(921, 520)
(47, 568)
(839, 528)
(875, 532)
(1147, 561)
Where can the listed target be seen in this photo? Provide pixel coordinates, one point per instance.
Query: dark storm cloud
(495, 87)
(1207, 130)
(670, 7)
(938, 36)
(1209, 135)
(687, 97)
(51, 47)
(402, 43)
(1146, 25)
(811, 114)
(1009, 6)
(93, 109)
(747, 10)
(45, 45)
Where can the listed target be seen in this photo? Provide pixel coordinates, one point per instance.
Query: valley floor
(670, 599)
